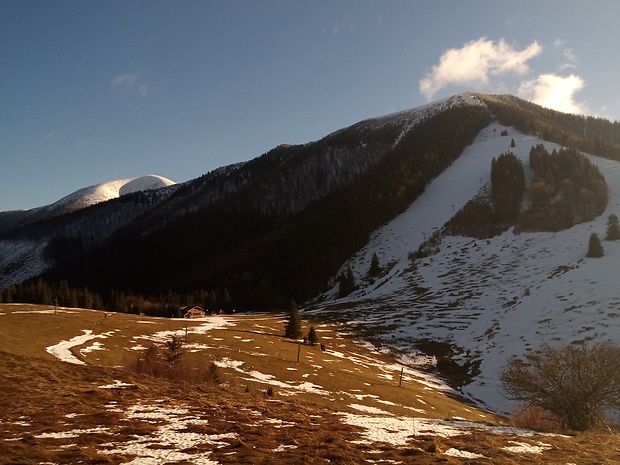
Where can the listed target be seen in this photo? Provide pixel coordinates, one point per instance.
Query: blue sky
(92, 91)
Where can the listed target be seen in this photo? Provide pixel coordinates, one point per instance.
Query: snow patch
(145, 183)
(62, 350)
(462, 454)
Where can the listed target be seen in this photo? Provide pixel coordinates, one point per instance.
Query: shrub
(152, 362)
(575, 383)
(536, 418)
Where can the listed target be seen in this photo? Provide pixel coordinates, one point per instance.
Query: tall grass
(173, 367)
(535, 418)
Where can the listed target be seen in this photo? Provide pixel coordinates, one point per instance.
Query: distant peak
(145, 183)
(103, 192)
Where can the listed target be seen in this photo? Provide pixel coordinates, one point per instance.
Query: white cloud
(569, 59)
(570, 56)
(124, 80)
(342, 26)
(555, 92)
(475, 62)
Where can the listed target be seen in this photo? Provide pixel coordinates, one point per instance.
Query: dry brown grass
(42, 395)
(184, 369)
(536, 418)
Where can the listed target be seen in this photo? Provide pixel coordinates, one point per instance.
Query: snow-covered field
(491, 298)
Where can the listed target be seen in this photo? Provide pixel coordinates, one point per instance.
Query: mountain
(281, 225)
(83, 198)
(292, 222)
(239, 227)
(476, 302)
(28, 237)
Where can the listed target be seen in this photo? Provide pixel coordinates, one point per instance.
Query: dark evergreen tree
(9, 293)
(595, 249)
(173, 349)
(613, 228)
(507, 186)
(292, 329)
(347, 283)
(313, 339)
(375, 267)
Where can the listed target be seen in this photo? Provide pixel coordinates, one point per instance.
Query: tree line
(597, 136)
(566, 189)
(169, 304)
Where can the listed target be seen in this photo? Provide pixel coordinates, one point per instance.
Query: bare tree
(576, 383)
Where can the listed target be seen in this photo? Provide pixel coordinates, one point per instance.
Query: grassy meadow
(69, 395)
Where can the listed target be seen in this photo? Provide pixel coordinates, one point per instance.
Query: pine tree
(313, 339)
(613, 228)
(595, 249)
(375, 268)
(292, 329)
(173, 349)
(347, 283)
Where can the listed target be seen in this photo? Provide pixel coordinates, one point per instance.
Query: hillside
(477, 302)
(343, 405)
(238, 229)
(251, 236)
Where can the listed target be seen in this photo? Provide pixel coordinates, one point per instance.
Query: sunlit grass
(59, 412)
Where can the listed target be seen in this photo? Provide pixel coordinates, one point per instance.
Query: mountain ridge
(274, 187)
(83, 198)
(289, 223)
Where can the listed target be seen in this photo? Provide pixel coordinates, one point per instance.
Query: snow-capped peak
(103, 192)
(145, 183)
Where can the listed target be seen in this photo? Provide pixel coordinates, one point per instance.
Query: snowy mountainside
(24, 251)
(492, 298)
(83, 198)
(145, 183)
(103, 192)
(407, 119)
